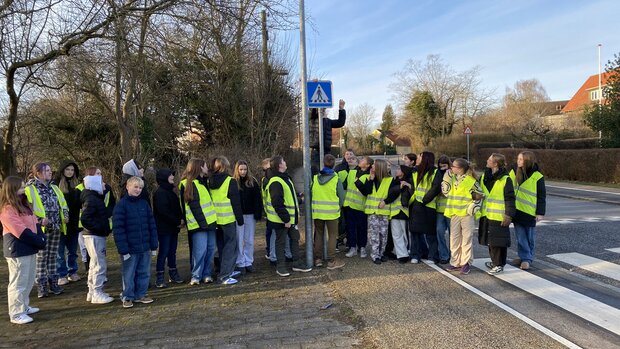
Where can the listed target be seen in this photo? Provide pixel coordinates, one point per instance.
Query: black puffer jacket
(72, 196)
(491, 232)
(95, 215)
(166, 208)
(328, 125)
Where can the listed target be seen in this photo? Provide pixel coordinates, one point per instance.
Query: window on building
(594, 95)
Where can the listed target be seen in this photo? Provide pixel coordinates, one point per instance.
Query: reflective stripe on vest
(221, 202)
(397, 206)
(493, 205)
(353, 197)
(325, 202)
(527, 193)
(423, 188)
(32, 194)
(459, 198)
(290, 201)
(206, 205)
(373, 200)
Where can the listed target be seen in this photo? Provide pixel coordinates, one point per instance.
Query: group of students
(408, 215)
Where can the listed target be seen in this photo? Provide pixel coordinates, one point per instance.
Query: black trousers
(498, 255)
(281, 234)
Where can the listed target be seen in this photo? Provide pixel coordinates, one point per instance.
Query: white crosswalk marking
(616, 250)
(588, 263)
(585, 307)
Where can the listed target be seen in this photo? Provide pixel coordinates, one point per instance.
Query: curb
(603, 201)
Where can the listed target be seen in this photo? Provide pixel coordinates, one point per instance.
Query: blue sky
(360, 44)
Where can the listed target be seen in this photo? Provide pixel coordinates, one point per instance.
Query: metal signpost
(320, 96)
(306, 149)
(467, 131)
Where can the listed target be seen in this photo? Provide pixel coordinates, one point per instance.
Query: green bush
(586, 165)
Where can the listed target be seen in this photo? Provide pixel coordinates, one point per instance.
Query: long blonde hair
(192, 171)
(381, 169)
(249, 181)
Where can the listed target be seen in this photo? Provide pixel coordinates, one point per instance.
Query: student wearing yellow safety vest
(327, 200)
(349, 162)
(376, 191)
(67, 181)
(49, 205)
(422, 208)
(498, 209)
(530, 203)
(225, 195)
(354, 208)
(283, 213)
(398, 199)
(443, 223)
(463, 200)
(200, 218)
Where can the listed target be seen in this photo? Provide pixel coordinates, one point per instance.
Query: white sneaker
(363, 253)
(21, 319)
(415, 261)
(63, 281)
(32, 310)
(89, 297)
(101, 298)
(352, 252)
(74, 277)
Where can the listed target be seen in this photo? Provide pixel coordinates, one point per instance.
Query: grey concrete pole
(305, 118)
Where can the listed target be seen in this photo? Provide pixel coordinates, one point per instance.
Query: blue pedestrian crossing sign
(319, 94)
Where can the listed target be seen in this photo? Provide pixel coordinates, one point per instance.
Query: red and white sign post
(467, 131)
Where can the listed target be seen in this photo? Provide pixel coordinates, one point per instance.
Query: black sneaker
(489, 265)
(283, 272)
(377, 261)
(42, 292)
(384, 258)
(301, 267)
(55, 289)
(250, 269)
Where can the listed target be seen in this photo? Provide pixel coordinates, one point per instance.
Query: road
(570, 297)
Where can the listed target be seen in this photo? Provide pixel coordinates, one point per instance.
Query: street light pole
(306, 151)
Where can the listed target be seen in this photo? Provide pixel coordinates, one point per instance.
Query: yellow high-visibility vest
(325, 201)
(493, 205)
(32, 194)
(290, 201)
(423, 188)
(223, 207)
(459, 198)
(526, 193)
(206, 205)
(397, 206)
(353, 197)
(377, 195)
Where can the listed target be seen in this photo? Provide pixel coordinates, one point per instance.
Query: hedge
(586, 165)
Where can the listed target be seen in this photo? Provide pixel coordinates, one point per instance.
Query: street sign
(467, 130)
(319, 94)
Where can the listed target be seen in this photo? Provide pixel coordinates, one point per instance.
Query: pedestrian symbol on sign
(319, 96)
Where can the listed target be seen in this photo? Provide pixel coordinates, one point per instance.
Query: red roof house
(588, 93)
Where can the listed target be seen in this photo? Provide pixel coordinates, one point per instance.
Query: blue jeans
(443, 224)
(203, 246)
(70, 265)
(136, 274)
(167, 250)
(525, 242)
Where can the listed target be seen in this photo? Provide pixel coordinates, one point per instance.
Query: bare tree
(458, 95)
(360, 123)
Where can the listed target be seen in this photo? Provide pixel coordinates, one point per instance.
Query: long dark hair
(427, 163)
